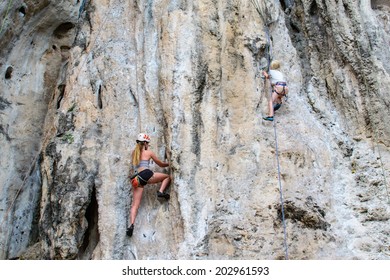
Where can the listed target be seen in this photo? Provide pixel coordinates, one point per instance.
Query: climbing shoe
(162, 195)
(129, 230)
(268, 118)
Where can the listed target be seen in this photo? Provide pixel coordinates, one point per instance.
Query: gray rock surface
(80, 79)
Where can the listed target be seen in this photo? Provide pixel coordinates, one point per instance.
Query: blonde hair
(137, 153)
(275, 64)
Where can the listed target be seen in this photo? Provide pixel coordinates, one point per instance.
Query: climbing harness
(283, 91)
(141, 179)
(269, 55)
(135, 181)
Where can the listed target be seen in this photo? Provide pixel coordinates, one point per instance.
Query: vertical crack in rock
(61, 89)
(99, 97)
(197, 125)
(91, 236)
(4, 132)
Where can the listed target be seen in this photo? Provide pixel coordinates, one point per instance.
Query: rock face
(80, 79)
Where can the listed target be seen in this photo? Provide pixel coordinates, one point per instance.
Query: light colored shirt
(276, 76)
(143, 163)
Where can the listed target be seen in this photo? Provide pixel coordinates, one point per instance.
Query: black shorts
(144, 176)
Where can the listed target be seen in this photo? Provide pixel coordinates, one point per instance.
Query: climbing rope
(268, 51)
(259, 10)
(47, 136)
(277, 159)
(280, 191)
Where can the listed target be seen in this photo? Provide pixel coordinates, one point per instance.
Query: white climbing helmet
(142, 137)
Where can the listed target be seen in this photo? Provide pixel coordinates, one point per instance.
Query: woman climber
(279, 89)
(141, 157)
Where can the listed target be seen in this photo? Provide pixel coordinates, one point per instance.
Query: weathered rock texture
(80, 79)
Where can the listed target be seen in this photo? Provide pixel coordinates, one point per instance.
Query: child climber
(279, 89)
(141, 157)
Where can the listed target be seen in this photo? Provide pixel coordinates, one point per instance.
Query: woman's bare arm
(157, 161)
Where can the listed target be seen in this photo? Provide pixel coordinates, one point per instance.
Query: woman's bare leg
(160, 177)
(137, 195)
(271, 108)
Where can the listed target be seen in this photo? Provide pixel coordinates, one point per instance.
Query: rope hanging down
(268, 51)
(258, 9)
(280, 183)
(280, 191)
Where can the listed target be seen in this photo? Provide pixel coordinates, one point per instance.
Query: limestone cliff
(80, 79)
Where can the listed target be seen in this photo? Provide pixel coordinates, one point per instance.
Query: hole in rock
(286, 4)
(22, 10)
(61, 89)
(91, 236)
(63, 29)
(313, 8)
(8, 72)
